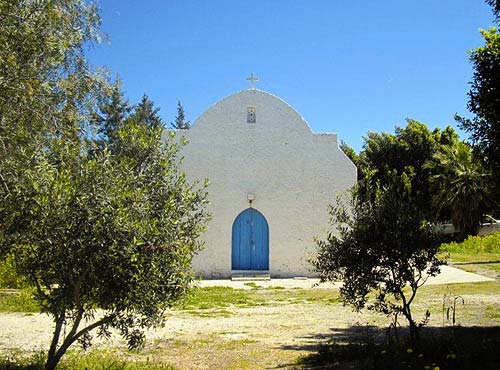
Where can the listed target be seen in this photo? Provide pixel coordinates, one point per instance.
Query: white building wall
(293, 174)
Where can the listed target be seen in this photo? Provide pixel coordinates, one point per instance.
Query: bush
(474, 245)
(9, 279)
(18, 301)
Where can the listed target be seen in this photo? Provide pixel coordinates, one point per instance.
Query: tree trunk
(53, 361)
(55, 357)
(414, 331)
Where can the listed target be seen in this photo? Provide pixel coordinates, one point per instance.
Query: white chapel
(271, 180)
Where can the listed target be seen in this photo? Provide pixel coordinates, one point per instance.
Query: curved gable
(271, 113)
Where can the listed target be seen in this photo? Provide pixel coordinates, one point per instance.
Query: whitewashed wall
(293, 174)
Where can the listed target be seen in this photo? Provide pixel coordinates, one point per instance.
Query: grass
(18, 301)
(103, 360)
(252, 285)
(478, 254)
(217, 298)
(15, 293)
(100, 360)
(447, 347)
(216, 351)
(484, 288)
(203, 302)
(473, 311)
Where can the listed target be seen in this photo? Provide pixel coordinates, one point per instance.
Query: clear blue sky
(347, 66)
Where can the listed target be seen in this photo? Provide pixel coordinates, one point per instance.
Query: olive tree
(379, 244)
(107, 241)
(104, 233)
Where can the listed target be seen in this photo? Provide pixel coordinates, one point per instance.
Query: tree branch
(72, 337)
(56, 335)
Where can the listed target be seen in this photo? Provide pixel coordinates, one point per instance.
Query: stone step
(250, 275)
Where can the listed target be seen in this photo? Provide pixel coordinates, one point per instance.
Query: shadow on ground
(475, 263)
(366, 347)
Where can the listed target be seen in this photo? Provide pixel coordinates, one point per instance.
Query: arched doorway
(250, 241)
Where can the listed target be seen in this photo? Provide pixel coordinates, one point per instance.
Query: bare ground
(268, 336)
(254, 337)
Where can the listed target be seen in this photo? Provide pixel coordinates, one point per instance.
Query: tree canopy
(460, 183)
(349, 152)
(94, 209)
(114, 233)
(382, 244)
(484, 99)
(448, 181)
(180, 122)
(405, 151)
(495, 4)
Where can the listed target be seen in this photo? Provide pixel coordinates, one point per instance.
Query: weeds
(474, 245)
(450, 307)
(252, 285)
(18, 301)
(78, 361)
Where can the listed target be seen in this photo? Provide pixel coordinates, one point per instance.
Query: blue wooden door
(250, 241)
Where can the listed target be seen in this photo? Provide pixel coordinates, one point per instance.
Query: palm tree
(460, 183)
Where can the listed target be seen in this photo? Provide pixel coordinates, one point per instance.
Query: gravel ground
(272, 334)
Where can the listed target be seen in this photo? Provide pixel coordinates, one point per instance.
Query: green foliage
(146, 113)
(460, 183)
(405, 151)
(447, 181)
(495, 4)
(45, 83)
(94, 209)
(474, 245)
(484, 98)
(350, 152)
(9, 279)
(180, 122)
(111, 115)
(380, 243)
(18, 301)
(111, 232)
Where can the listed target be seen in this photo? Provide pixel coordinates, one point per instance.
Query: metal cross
(252, 79)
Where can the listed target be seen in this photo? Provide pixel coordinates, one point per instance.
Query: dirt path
(448, 275)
